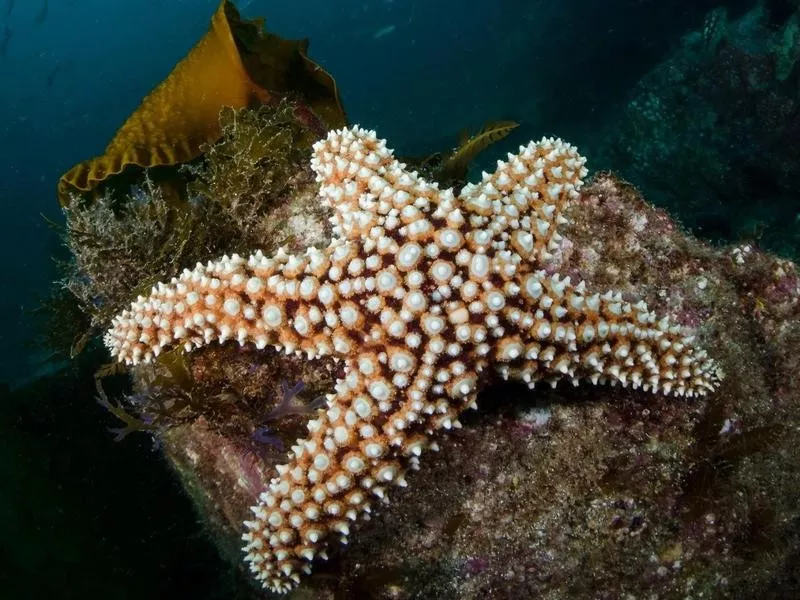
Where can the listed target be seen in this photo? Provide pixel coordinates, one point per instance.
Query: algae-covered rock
(232, 199)
(587, 492)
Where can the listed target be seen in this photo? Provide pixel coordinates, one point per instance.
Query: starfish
(426, 296)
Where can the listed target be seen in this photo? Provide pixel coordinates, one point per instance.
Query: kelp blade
(235, 64)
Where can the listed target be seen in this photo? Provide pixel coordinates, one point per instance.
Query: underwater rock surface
(555, 493)
(711, 131)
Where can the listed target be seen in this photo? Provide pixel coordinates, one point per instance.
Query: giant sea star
(424, 295)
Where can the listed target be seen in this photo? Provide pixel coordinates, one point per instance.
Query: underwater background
(716, 145)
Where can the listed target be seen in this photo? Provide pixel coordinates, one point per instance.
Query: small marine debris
(383, 31)
(9, 8)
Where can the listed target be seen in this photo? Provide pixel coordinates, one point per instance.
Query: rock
(571, 492)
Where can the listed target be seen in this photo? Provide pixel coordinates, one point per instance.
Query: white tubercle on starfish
(424, 295)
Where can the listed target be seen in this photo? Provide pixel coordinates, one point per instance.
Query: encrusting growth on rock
(425, 295)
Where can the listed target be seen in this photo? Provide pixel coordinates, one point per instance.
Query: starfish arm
(287, 301)
(525, 197)
(368, 189)
(565, 332)
(370, 432)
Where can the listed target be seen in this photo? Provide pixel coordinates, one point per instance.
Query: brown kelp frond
(236, 64)
(178, 116)
(455, 165)
(284, 68)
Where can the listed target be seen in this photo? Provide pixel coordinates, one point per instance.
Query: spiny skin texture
(425, 296)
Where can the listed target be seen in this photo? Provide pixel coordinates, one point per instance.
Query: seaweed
(123, 244)
(66, 327)
(455, 165)
(450, 169)
(117, 250)
(716, 458)
(132, 423)
(236, 64)
(164, 397)
(253, 162)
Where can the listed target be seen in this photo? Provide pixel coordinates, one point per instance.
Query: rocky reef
(569, 492)
(601, 492)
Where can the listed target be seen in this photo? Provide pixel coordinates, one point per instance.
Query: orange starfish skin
(425, 295)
